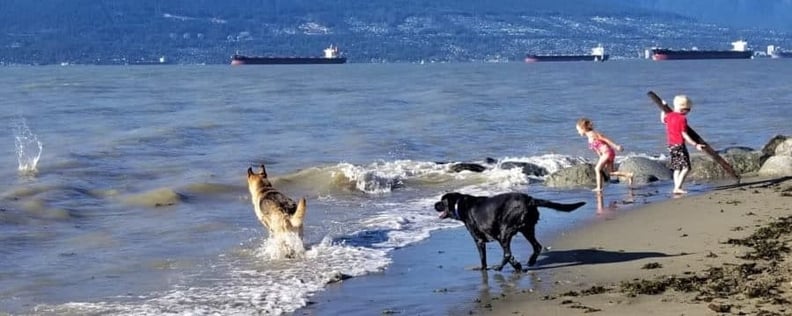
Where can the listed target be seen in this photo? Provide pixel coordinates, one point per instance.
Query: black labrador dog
(499, 218)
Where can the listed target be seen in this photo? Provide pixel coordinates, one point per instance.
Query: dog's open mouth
(440, 207)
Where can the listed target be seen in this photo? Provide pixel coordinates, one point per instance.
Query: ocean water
(123, 191)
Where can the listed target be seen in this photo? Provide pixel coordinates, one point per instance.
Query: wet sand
(434, 276)
(720, 252)
(725, 252)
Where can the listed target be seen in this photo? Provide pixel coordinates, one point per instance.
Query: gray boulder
(581, 175)
(704, 168)
(645, 170)
(528, 169)
(777, 166)
(744, 161)
(467, 166)
(784, 148)
(735, 150)
(769, 149)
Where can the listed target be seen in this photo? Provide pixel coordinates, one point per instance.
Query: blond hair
(585, 124)
(682, 102)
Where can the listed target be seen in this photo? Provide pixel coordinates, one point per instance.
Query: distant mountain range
(208, 32)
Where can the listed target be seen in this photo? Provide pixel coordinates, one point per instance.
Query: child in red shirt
(676, 136)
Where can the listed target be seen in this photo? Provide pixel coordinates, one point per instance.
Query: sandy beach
(725, 252)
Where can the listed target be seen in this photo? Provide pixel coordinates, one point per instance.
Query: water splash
(28, 147)
(285, 246)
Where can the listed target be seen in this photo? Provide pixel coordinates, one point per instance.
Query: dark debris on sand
(729, 287)
(759, 279)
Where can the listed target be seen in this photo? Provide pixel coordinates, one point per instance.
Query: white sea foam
(386, 176)
(263, 281)
(250, 290)
(383, 177)
(551, 162)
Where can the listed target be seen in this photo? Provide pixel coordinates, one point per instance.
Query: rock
(703, 167)
(784, 148)
(720, 307)
(155, 198)
(777, 166)
(335, 276)
(744, 161)
(576, 176)
(769, 149)
(735, 150)
(462, 166)
(645, 170)
(528, 168)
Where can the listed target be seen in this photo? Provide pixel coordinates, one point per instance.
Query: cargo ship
(597, 54)
(777, 52)
(159, 61)
(331, 56)
(739, 51)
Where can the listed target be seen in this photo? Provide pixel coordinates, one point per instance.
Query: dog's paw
(532, 260)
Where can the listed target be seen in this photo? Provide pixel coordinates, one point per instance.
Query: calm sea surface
(122, 189)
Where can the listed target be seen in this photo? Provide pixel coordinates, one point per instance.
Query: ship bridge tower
(598, 53)
(331, 52)
(740, 46)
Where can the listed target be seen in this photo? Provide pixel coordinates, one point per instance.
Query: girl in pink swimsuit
(604, 148)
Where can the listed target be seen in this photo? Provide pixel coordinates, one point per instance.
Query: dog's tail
(298, 217)
(558, 206)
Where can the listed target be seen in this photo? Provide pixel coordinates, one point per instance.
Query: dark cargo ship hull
(538, 58)
(255, 60)
(668, 54)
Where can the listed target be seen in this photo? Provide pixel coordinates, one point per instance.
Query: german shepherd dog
(276, 211)
(499, 218)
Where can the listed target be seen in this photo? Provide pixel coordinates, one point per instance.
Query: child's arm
(609, 142)
(691, 141)
(662, 117)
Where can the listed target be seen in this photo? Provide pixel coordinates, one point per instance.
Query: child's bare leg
(598, 170)
(679, 179)
(627, 175)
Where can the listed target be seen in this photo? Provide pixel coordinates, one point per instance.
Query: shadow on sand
(568, 258)
(755, 184)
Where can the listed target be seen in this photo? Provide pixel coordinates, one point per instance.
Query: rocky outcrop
(769, 149)
(645, 170)
(467, 166)
(742, 159)
(784, 148)
(777, 157)
(780, 166)
(528, 168)
(581, 175)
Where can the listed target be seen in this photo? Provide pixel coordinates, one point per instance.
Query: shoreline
(434, 276)
(695, 255)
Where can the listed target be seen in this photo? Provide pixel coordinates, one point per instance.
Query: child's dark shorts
(679, 157)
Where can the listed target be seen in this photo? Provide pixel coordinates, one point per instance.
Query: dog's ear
(250, 171)
(263, 171)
